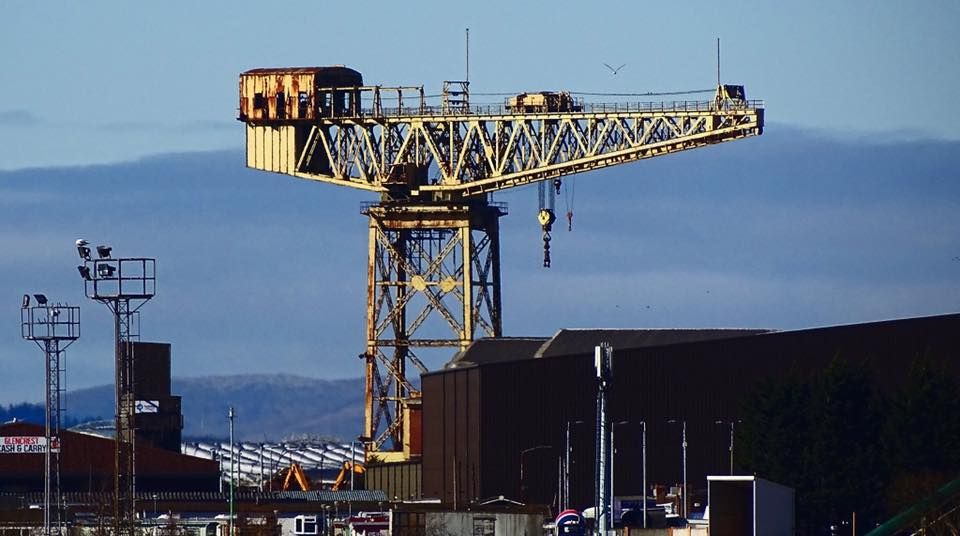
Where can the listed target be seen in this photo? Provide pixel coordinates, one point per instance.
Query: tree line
(846, 447)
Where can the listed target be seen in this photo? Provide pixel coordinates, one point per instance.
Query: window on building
(259, 103)
(281, 105)
(484, 526)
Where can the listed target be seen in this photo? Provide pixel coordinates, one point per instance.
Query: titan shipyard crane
(434, 248)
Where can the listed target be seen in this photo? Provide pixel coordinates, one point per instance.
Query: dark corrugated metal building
(501, 397)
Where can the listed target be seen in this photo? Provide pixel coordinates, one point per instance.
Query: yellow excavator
(345, 471)
(295, 474)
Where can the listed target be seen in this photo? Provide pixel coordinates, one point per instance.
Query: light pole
(124, 285)
(731, 423)
(230, 415)
(53, 327)
(683, 445)
(353, 464)
(613, 454)
(522, 452)
(644, 456)
(566, 467)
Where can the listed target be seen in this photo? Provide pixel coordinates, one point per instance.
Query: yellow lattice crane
(433, 272)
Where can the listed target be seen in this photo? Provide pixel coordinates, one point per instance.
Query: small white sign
(147, 406)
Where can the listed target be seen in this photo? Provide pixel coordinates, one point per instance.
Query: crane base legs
(433, 282)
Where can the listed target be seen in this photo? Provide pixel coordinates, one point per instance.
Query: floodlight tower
(124, 285)
(53, 327)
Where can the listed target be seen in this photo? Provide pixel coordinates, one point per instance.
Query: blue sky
(98, 81)
(846, 210)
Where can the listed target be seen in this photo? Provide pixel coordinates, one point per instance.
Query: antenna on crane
(468, 56)
(718, 62)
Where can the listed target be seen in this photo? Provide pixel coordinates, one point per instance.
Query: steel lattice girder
(425, 262)
(470, 155)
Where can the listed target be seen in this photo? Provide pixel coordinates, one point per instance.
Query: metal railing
(586, 109)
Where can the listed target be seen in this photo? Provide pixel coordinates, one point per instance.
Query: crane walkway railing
(500, 110)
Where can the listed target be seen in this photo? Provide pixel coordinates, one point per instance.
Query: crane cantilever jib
(433, 272)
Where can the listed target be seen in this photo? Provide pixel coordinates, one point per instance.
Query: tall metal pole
(731, 448)
(685, 469)
(353, 464)
(566, 467)
(261, 467)
(123, 285)
(613, 456)
(731, 422)
(644, 455)
(48, 470)
(46, 325)
(603, 362)
(230, 415)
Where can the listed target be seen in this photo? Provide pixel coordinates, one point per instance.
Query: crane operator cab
(299, 93)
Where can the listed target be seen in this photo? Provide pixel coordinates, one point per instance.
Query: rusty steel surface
(433, 166)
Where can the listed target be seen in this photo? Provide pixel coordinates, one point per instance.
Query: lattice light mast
(53, 327)
(434, 235)
(124, 285)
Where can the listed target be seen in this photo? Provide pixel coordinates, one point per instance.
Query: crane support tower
(434, 249)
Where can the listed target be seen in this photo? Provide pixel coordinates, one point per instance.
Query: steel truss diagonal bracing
(446, 157)
(438, 262)
(433, 274)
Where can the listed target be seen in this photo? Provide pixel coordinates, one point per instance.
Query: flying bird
(615, 71)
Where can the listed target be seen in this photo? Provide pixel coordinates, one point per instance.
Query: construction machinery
(295, 475)
(433, 267)
(347, 472)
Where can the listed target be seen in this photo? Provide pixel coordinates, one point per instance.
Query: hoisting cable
(570, 193)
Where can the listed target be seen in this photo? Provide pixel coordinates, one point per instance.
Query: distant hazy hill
(273, 407)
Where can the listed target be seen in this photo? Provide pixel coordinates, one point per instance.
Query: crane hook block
(546, 217)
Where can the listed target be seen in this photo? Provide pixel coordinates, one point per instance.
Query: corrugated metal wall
(398, 480)
(484, 417)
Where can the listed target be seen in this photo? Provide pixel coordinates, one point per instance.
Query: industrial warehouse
(613, 431)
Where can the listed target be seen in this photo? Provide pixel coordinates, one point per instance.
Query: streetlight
(644, 456)
(233, 454)
(525, 451)
(613, 454)
(731, 423)
(684, 446)
(566, 468)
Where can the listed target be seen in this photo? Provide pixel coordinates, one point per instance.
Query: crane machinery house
(287, 93)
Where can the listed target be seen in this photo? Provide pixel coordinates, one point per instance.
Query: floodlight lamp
(41, 299)
(105, 270)
(26, 301)
(84, 272)
(84, 252)
(104, 251)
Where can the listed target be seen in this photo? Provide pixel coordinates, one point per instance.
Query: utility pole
(47, 325)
